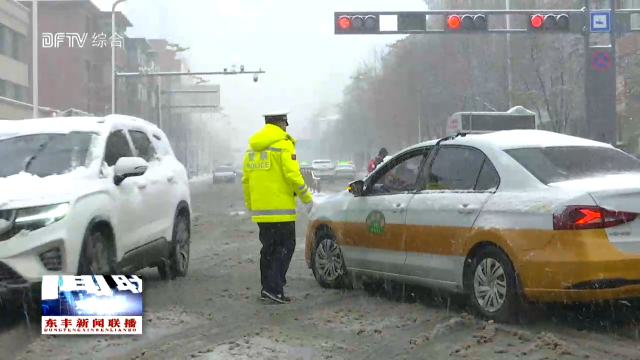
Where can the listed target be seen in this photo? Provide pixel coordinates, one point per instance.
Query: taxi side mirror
(356, 187)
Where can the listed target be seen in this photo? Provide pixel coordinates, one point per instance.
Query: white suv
(324, 169)
(87, 195)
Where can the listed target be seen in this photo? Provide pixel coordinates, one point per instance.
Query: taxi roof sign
(481, 122)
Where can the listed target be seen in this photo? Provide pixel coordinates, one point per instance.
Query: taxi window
(488, 178)
(565, 163)
(455, 168)
(400, 177)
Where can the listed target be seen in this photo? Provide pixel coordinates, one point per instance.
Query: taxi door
(457, 185)
(375, 222)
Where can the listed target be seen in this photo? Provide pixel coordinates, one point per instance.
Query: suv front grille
(9, 278)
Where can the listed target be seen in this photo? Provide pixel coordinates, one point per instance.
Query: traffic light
(357, 24)
(466, 23)
(549, 22)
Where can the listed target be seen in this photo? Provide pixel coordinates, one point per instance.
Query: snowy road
(214, 313)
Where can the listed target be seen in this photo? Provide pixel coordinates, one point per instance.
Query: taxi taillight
(590, 217)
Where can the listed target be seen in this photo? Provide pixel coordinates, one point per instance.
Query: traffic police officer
(271, 180)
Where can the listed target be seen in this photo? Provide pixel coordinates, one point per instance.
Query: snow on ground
(255, 348)
(214, 313)
(201, 178)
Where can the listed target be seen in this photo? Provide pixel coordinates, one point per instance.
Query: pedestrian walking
(271, 181)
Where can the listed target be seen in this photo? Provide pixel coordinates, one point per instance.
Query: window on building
(18, 47)
(21, 93)
(8, 42)
(97, 73)
(89, 26)
(9, 89)
(3, 35)
(87, 69)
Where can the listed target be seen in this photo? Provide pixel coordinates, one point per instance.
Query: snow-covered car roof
(513, 139)
(64, 125)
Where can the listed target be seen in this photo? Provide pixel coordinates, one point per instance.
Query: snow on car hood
(24, 190)
(321, 197)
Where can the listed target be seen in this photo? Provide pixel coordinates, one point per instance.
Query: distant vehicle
(90, 195)
(345, 170)
(224, 174)
(324, 169)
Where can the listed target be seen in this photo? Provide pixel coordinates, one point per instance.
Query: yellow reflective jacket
(271, 177)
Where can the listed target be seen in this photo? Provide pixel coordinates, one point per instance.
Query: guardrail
(310, 179)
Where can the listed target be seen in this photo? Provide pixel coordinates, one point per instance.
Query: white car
(88, 195)
(503, 216)
(323, 169)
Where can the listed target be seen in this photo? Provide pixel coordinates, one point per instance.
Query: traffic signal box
(357, 24)
(559, 23)
(466, 23)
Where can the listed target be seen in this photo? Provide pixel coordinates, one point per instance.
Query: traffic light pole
(600, 62)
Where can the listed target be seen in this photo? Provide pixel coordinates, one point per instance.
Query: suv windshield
(44, 154)
(557, 164)
(224, 169)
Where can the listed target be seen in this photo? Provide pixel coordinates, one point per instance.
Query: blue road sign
(601, 60)
(600, 21)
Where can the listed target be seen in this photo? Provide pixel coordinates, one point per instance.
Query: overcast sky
(292, 40)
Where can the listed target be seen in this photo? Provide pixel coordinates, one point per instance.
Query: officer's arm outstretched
(245, 182)
(292, 174)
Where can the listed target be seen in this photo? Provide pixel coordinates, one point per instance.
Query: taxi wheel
(328, 265)
(492, 285)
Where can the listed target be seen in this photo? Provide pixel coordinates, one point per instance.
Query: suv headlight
(37, 217)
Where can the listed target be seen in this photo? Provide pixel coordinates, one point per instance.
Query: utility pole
(35, 41)
(587, 63)
(613, 35)
(509, 68)
(419, 107)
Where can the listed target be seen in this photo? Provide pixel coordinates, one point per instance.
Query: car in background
(224, 174)
(345, 170)
(323, 169)
(500, 217)
(90, 195)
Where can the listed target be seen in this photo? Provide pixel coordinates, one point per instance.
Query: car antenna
(451, 137)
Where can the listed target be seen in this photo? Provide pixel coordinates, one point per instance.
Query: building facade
(15, 21)
(77, 74)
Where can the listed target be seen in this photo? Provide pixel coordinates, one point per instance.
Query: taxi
(501, 216)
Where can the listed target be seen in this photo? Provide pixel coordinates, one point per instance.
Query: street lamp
(35, 40)
(113, 56)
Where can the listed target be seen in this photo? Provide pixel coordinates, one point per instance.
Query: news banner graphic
(71, 40)
(600, 61)
(92, 304)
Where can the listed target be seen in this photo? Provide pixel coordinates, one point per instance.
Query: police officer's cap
(277, 116)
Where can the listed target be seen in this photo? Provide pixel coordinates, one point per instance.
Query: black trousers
(278, 244)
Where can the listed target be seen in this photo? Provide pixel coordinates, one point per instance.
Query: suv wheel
(97, 256)
(180, 249)
(493, 285)
(328, 265)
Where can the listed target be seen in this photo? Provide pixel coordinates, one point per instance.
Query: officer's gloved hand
(309, 206)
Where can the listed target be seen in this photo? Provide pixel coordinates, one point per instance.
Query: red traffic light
(344, 22)
(537, 21)
(453, 22)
